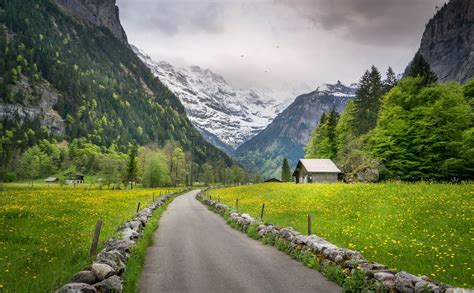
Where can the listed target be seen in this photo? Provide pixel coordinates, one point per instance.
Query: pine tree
(390, 80)
(367, 102)
(132, 165)
(331, 131)
(420, 68)
(285, 171)
(322, 143)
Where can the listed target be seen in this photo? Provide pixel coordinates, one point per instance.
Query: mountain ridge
(78, 73)
(289, 132)
(227, 117)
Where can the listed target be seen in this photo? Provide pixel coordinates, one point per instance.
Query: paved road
(196, 251)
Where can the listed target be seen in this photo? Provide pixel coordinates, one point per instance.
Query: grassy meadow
(46, 232)
(423, 228)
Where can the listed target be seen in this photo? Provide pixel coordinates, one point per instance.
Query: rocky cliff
(447, 43)
(102, 13)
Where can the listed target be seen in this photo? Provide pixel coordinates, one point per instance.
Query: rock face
(102, 13)
(289, 132)
(225, 116)
(447, 43)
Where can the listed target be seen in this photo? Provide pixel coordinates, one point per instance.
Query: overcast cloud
(286, 44)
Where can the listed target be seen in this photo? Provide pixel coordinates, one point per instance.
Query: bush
(10, 176)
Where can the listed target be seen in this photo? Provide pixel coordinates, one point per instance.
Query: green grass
(423, 228)
(46, 232)
(137, 257)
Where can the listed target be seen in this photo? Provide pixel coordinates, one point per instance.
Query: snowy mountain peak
(225, 116)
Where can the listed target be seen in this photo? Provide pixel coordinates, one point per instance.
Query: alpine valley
(225, 116)
(289, 132)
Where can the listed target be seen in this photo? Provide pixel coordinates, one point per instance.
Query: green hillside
(99, 88)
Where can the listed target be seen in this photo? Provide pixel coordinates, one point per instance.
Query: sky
(283, 45)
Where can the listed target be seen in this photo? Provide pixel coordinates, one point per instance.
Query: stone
(77, 288)
(338, 258)
(372, 266)
(405, 282)
(383, 276)
(135, 225)
(112, 258)
(425, 286)
(86, 277)
(102, 271)
(129, 234)
(389, 285)
(143, 219)
(123, 246)
(112, 284)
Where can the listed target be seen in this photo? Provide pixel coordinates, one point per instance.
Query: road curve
(195, 250)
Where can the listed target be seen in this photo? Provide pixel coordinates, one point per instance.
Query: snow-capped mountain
(289, 132)
(225, 116)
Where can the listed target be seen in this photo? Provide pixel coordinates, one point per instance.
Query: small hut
(316, 171)
(52, 180)
(74, 178)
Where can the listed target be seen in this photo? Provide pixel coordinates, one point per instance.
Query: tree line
(150, 165)
(411, 129)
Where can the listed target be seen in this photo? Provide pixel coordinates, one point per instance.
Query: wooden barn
(316, 171)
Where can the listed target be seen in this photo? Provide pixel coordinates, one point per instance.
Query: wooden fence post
(310, 222)
(138, 207)
(153, 197)
(263, 209)
(95, 239)
(237, 203)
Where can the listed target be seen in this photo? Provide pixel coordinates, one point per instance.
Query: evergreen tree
(322, 142)
(132, 165)
(420, 68)
(285, 171)
(390, 80)
(367, 102)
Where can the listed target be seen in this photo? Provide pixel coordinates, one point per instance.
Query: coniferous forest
(107, 100)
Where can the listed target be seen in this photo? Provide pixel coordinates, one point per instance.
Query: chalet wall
(324, 177)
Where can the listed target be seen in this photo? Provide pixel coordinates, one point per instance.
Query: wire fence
(398, 237)
(88, 229)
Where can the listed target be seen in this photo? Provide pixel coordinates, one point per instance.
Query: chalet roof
(273, 180)
(51, 179)
(318, 166)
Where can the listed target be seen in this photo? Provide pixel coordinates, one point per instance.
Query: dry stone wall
(328, 254)
(105, 274)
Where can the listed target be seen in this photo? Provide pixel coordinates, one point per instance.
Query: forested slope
(64, 78)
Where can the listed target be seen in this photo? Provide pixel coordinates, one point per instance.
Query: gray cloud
(378, 22)
(286, 43)
(172, 17)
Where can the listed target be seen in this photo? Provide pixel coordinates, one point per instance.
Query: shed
(272, 180)
(74, 178)
(50, 180)
(316, 171)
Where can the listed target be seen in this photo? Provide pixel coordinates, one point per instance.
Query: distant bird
(278, 46)
(241, 56)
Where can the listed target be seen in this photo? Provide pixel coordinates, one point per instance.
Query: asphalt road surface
(196, 251)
